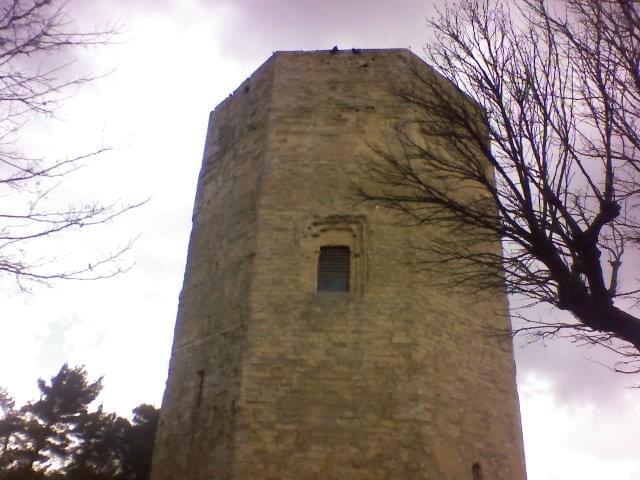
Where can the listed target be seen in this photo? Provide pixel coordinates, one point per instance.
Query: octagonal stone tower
(306, 347)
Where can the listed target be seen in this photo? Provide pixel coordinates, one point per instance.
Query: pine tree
(59, 437)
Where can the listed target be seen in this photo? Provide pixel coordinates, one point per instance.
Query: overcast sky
(181, 58)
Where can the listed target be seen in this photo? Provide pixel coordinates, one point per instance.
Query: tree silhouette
(60, 437)
(535, 146)
(136, 461)
(36, 39)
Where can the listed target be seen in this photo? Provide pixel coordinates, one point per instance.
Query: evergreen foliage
(60, 436)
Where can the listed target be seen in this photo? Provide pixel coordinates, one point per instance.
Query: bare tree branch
(539, 152)
(36, 39)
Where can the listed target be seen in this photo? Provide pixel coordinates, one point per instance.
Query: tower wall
(198, 419)
(269, 378)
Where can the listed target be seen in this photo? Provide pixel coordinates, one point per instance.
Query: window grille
(333, 269)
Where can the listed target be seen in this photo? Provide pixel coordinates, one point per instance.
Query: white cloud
(583, 440)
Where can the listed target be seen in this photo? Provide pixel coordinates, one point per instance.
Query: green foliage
(136, 463)
(59, 437)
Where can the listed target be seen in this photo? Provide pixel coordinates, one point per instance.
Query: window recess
(334, 269)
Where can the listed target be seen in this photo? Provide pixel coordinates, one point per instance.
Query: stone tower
(306, 347)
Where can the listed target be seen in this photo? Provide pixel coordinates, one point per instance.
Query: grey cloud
(265, 26)
(579, 375)
(54, 347)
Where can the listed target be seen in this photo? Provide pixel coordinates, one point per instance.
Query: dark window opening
(333, 269)
(200, 387)
(476, 471)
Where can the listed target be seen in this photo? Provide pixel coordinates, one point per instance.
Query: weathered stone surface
(272, 380)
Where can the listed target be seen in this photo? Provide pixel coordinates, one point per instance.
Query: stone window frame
(335, 230)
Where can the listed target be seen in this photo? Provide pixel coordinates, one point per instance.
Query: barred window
(333, 269)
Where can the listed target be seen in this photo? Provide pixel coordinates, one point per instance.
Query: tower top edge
(335, 52)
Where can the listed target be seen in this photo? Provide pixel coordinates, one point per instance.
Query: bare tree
(35, 38)
(550, 169)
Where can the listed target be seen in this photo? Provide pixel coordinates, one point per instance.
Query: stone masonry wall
(199, 407)
(270, 379)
